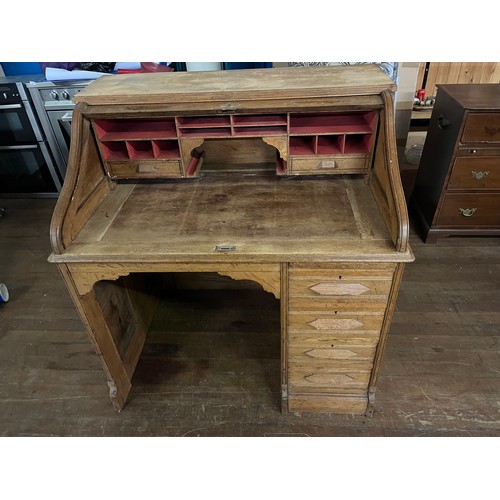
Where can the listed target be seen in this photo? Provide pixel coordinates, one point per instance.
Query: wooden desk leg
(102, 340)
(284, 337)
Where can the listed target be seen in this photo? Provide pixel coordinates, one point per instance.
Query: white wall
(407, 82)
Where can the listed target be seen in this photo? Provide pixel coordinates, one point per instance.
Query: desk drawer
(482, 127)
(332, 339)
(329, 164)
(320, 288)
(329, 377)
(337, 294)
(340, 355)
(481, 172)
(154, 169)
(470, 210)
(340, 286)
(335, 321)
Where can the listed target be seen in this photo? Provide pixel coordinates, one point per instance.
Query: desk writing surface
(265, 217)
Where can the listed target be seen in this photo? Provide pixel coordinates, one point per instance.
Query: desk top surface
(274, 83)
(266, 218)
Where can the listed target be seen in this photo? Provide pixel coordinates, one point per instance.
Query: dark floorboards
(218, 374)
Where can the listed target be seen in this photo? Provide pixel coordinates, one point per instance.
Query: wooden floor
(217, 375)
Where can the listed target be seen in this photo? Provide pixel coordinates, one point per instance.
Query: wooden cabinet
(287, 177)
(457, 189)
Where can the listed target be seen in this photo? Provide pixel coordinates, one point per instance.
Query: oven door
(27, 170)
(16, 129)
(60, 121)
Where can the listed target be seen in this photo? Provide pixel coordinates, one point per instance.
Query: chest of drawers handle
(443, 123)
(479, 175)
(467, 212)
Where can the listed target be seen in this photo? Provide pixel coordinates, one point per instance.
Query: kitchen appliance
(26, 165)
(54, 106)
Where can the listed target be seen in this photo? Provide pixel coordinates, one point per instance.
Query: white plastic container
(4, 293)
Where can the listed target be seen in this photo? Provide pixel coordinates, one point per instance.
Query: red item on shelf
(421, 95)
(146, 67)
(151, 67)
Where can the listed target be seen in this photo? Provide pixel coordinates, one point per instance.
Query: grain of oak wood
(214, 374)
(111, 239)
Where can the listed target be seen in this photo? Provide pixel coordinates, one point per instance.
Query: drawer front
(344, 355)
(334, 320)
(328, 164)
(332, 339)
(321, 377)
(155, 169)
(339, 289)
(482, 127)
(470, 210)
(482, 172)
(339, 286)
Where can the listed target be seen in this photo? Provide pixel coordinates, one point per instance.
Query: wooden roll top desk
(287, 177)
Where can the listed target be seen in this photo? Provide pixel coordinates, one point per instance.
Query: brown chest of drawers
(457, 190)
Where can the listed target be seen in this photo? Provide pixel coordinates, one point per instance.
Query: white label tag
(328, 164)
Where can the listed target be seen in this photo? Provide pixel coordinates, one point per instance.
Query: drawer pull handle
(443, 123)
(467, 212)
(479, 175)
(472, 151)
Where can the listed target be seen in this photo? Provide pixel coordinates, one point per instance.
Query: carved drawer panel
(341, 282)
(343, 355)
(340, 286)
(328, 377)
(333, 339)
(321, 322)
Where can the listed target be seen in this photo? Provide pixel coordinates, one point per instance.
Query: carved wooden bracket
(270, 281)
(280, 143)
(85, 280)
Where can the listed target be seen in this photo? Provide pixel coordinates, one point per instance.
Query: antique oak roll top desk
(287, 177)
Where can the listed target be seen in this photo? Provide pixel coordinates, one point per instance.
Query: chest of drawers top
(480, 97)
